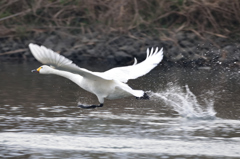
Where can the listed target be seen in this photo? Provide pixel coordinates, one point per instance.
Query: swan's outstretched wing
(123, 74)
(49, 57)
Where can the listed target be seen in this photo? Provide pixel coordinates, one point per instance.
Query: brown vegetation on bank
(215, 17)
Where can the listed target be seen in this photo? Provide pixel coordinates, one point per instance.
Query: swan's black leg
(101, 105)
(145, 96)
(90, 106)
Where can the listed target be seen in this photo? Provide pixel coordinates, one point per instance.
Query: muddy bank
(182, 49)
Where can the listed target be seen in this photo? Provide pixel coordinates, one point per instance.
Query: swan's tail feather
(138, 93)
(125, 91)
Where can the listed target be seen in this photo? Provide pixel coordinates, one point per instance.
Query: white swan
(110, 84)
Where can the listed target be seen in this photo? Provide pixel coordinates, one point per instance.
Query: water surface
(193, 113)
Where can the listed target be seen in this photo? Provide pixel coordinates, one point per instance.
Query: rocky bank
(182, 49)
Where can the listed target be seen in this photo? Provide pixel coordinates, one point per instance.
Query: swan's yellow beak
(36, 70)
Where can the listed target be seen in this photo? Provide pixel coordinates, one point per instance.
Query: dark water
(191, 114)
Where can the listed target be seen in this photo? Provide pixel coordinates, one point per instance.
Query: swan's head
(44, 69)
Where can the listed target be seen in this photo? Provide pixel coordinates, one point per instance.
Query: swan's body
(110, 84)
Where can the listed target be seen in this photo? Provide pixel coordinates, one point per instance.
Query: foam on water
(183, 101)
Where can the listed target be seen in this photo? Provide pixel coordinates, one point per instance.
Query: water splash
(186, 103)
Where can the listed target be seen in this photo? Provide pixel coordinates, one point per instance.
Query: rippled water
(191, 114)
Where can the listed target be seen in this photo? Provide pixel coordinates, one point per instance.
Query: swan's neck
(71, 76)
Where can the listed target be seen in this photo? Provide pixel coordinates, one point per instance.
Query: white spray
(186, 103)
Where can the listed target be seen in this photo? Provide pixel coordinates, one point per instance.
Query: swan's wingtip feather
(154, 52)
(135, 61)
(31, 44)
(147, 52)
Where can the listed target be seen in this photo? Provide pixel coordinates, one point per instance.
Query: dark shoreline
(185, 49)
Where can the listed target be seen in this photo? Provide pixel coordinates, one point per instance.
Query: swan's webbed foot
(90, 106)
(145, 96)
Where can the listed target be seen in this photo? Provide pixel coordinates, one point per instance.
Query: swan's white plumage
(49, 57)
(109, 84)
(123, 74)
